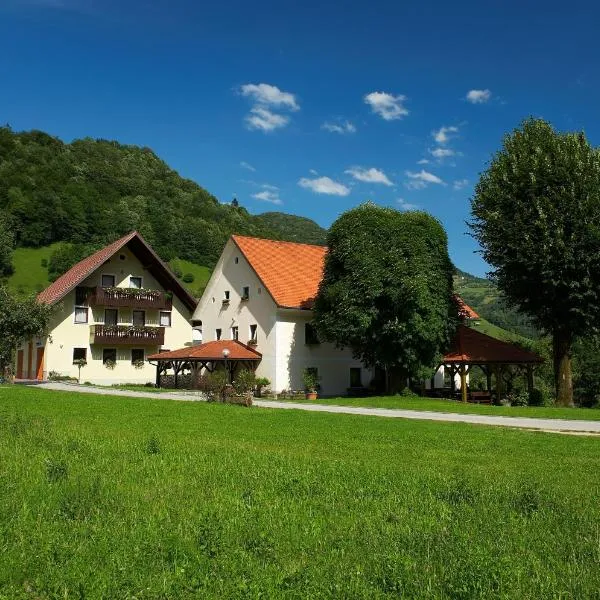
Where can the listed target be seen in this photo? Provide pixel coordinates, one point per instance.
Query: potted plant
(311, 383)
(79, 362)
(260, 383)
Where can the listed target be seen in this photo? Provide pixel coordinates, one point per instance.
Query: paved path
(552, 425)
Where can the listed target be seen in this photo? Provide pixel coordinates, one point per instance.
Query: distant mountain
(94, 191)
(294, 228)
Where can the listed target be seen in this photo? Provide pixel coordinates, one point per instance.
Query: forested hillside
(93, 191)
(294, 228)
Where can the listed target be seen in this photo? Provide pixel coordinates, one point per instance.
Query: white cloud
(371, 175)
(269, 95)
(441, 153)
(387, 106)
(459, 184)
(478, 96)
(423, 161)
(403, 205)
(345, 127)
(420, 180)
(246, 165)
(268, 186)
(313, 172)
(324, 185)
(265, 120)
(268, 196)
(444, 134)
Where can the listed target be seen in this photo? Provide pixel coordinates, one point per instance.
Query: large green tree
(536, 214)
(6, 249)
(386, 292)
(20, 319)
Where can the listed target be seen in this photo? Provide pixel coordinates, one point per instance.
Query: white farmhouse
(261, 293)
(113, 309)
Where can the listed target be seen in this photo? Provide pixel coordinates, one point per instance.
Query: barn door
(20, 364)
(39, 375)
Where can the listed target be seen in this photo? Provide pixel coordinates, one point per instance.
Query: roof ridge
(269, 240)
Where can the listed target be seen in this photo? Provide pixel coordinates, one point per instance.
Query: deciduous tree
(536, 214)
(386, 292)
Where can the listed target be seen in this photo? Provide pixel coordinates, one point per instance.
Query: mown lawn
(106, 497)
(454, 406)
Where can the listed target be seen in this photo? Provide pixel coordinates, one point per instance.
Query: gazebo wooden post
(530, 383)
(488, 376)
(452, 382)
(158, 369)
(463, 382)
(499, 386)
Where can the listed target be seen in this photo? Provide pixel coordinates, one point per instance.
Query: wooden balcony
(130, 297)
(127, 335)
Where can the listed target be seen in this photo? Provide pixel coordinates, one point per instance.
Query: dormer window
(245, 293)
(234, 333)
(226, 297)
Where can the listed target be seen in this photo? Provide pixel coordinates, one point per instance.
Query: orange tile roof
(291, 272)
(471, 346)
(75, 275)
(464, 310)
(211, 351)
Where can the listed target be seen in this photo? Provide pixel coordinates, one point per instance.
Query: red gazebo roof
(471, 346)
(210, 351)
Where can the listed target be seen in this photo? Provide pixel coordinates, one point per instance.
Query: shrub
(536, 397)
(214, 385)
(260, 383)
(310, 380)
(518, 398)
(177, 272)
(244, 382)
(188, 278)
(44, 262)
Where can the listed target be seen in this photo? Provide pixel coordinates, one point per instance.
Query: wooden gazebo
(230, 355)
(471, 348)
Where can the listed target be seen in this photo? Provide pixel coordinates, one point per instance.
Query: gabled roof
(471, 346)
(140, 248)
(210, 351)
(464, 310)
(290, 272)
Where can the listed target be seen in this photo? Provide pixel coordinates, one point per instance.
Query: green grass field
(29, 276)
(201, 275)
(453, 406)
(106, 497)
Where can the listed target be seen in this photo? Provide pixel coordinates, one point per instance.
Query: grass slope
(201, 275)
(122, 498)
(29, 276)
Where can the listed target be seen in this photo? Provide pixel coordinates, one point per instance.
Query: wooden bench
(481, 397)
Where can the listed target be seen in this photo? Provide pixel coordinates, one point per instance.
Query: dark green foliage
(586, 371)
(188, 278)
(93, 191)
(244, 381)
(536, 397)
(387, 290)
(20, 319)
(294, 228)
(65, 256)
(536, 213)
(6, 248)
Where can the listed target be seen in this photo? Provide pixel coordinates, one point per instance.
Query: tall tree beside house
(386, 291)
(536, 213)
(20, 319)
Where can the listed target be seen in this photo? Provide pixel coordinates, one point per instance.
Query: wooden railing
(127, 335)
(130, 297)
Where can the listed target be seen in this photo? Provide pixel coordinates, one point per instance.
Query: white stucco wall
(65, 334)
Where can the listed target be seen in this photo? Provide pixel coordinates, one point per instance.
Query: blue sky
(306, 107)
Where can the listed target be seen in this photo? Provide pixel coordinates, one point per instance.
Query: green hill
(294, 228)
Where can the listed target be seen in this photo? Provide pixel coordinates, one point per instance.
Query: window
(355, 377)
(81, 314)
(235, 333)
(137, 355)
(310, 335)
(111, 316)
(218, 334)
(79, 354)
(108, 281)
(165, 319)
(139, 318)
(81, 310)
(109, 354)
(135, 282)
(237, 260)
(226, 296)
(253, 329)
(245, 293)
(121, 257)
